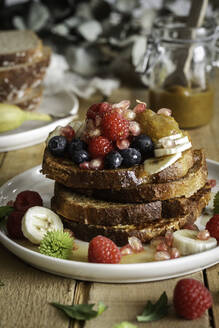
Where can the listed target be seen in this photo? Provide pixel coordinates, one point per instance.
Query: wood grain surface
(27, 292)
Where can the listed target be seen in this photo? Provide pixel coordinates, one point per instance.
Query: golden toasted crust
(65, 172)
(145, 232)
(91, 211)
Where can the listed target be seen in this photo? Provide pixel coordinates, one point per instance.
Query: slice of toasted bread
(194, 180)
(91, 211)
(145, 232)
(32, 100)
(19, 47)
(16, 80)
(65, 172)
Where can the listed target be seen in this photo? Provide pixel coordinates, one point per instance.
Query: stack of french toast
(124, 173)
(23, 63)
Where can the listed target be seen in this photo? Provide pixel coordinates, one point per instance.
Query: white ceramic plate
(33, 132)
(116, 273)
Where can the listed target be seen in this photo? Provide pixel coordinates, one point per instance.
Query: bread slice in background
(31, 100)
(16, 81)
(19, 47)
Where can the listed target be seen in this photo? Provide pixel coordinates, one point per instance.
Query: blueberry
(131, 156)
(112, 160)
(57, 145)
(144, 144)
(76, 144)
(80, 156)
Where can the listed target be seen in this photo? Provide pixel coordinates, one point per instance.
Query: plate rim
(154, 265)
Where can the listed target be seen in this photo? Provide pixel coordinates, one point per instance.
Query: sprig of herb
(1, 283)
(5, 211)
(216, 203)
(81, 311)
(156, 311)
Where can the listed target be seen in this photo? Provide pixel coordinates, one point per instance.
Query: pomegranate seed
(134, 128)
(156, 241)
(96, 164)
(191, 226)
(69, 232)
(162, 247)
(212, 183)
(129, 115)
(135, 244)
(68, 132)
(169, 238)
(10, 203)
(123, 144)
(203, 235)
(84, 165)
(139, 108)
(161, 256)
(126, 250)
(94, 133)
(98, 120)
(124, 104)
(174, 253)
(165, 111)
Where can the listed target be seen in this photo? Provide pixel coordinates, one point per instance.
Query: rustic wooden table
(26, 295)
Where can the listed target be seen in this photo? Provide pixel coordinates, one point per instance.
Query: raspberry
(99, 146)
(114, 126)
(27, 199)
(191, 298)
(98, 109)
(213, 226)
(14, 225)
(103, 250)
(68, 132)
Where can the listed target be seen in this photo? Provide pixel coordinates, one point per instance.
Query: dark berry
(144, 144)
(113, 160)
(26, 199)
(80, 156)
(76, 144)
(57, 145)
(131, 156)
(14, 225)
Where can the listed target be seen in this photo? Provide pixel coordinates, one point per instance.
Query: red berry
(27, 199)
(14, 225)
(213, 226)
(99, 146)
(114, 126)
(99, 109)
(68, 132)
(191, 299)
(103, 250)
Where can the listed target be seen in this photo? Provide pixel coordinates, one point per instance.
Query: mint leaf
(153, 312)
(216, 203)
(124, 324)
(81, 311)
(5, 211)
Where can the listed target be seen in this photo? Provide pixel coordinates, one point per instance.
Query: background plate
(116, 273)
(33, 132)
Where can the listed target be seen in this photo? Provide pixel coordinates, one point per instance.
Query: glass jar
(178, 67)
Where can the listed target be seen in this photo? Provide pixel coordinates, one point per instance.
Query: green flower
(57, 244)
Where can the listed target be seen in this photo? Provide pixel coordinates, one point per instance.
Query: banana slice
(181, 141)
(169, 151)
(187, 243)
(37, 221)
(171, 137)
(155, 165)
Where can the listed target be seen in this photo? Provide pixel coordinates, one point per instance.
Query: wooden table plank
(125, 301)
(213, 284)
(27, 292)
